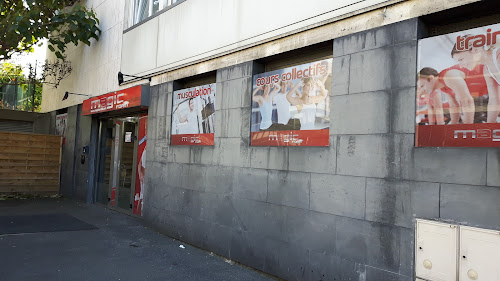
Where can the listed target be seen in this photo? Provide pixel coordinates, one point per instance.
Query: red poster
(291, 138)
(193, 116)
(291, 106)
(141, 165)
(130, 97)
(193, 139)
(458, 89)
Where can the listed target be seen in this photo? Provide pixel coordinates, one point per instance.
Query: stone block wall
(343, 212)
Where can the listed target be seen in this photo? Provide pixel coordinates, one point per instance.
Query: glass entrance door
(117, 159)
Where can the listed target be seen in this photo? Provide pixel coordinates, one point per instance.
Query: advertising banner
(61, 125)
(122, 99)
(458, 89)
(193, 116)
(141, 165)
(291, 106)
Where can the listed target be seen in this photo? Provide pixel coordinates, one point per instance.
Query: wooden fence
(29, 163)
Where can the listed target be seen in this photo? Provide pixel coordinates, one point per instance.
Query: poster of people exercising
(291, 106)
(193, 116)
(458, 89)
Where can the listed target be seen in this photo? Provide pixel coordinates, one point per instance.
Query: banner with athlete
(193, 116)
(291, 106)
(141, 165)
(458, 89)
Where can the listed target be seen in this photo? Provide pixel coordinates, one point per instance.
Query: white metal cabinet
(436, 251)
(479, 254)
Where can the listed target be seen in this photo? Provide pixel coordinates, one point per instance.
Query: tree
(24, 22)
(17, 91)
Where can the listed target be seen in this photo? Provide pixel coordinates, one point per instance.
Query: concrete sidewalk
(121, 248)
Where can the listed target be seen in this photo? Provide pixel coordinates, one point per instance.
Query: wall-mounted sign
(61, 125)
(458, 89)
(291, 106)
(193, 116)
(127, 98)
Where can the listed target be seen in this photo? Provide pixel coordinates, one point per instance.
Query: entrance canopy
(137, 96)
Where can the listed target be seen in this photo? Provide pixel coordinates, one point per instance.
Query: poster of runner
(458, 89)
(141, 165)
(61, 125)
(193, 116)
(291, 106)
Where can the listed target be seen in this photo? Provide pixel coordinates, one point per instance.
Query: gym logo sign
(479, 133)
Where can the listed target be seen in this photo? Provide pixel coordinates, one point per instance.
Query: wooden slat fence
(29, 163)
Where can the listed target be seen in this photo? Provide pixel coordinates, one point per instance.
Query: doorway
(117, 162)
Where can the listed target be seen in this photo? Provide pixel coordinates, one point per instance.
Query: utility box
(479, 254)
(436, 251)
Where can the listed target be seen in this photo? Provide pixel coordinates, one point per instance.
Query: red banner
(130, 97)
(193, 139)
(291, 138)
(141, 165)
(462, 135)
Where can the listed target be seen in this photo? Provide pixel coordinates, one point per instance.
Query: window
(142, 9)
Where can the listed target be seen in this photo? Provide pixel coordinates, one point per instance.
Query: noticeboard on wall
(458, 89)
(193, 115)
(291, 106)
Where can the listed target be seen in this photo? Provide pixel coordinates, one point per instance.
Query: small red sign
(193, 139)
(122, 99)
(461, 135)
(291, 138)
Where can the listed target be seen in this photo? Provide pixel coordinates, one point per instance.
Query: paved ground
(121, 248)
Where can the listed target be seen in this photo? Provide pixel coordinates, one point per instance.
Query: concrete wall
(318, 213)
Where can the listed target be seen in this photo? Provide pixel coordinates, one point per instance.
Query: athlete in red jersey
(430, 87)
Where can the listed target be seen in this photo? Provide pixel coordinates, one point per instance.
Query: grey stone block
(373, 244)
(362, 41)
(161, 128)
(446, 165)
(260, 218)
(275, 158)
(235, 93)
(245, 122)
(403, 111)
(250, 184)
(371, 71)
(229, 122)
(217, 209)
(398, 202)
(294, 263)
(172, 174)
(313, 159)
(219, 97)
(193, 177)
(235, 71)
(169, 103)
(179, 154)
(403, 68)
(217, 239)
(493, 167)
(405, 31)
(338, 195)
(220, 179)
(310, 230)
(364, 113)
(340, 73)
(472, 205)
(406, 257)
(202, 155)
(232, 152)
(161, 105)
(289, 188)
(369, 155)
(373, 273)
(153, 101)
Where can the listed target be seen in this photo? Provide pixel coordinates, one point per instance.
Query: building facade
(337, 200)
